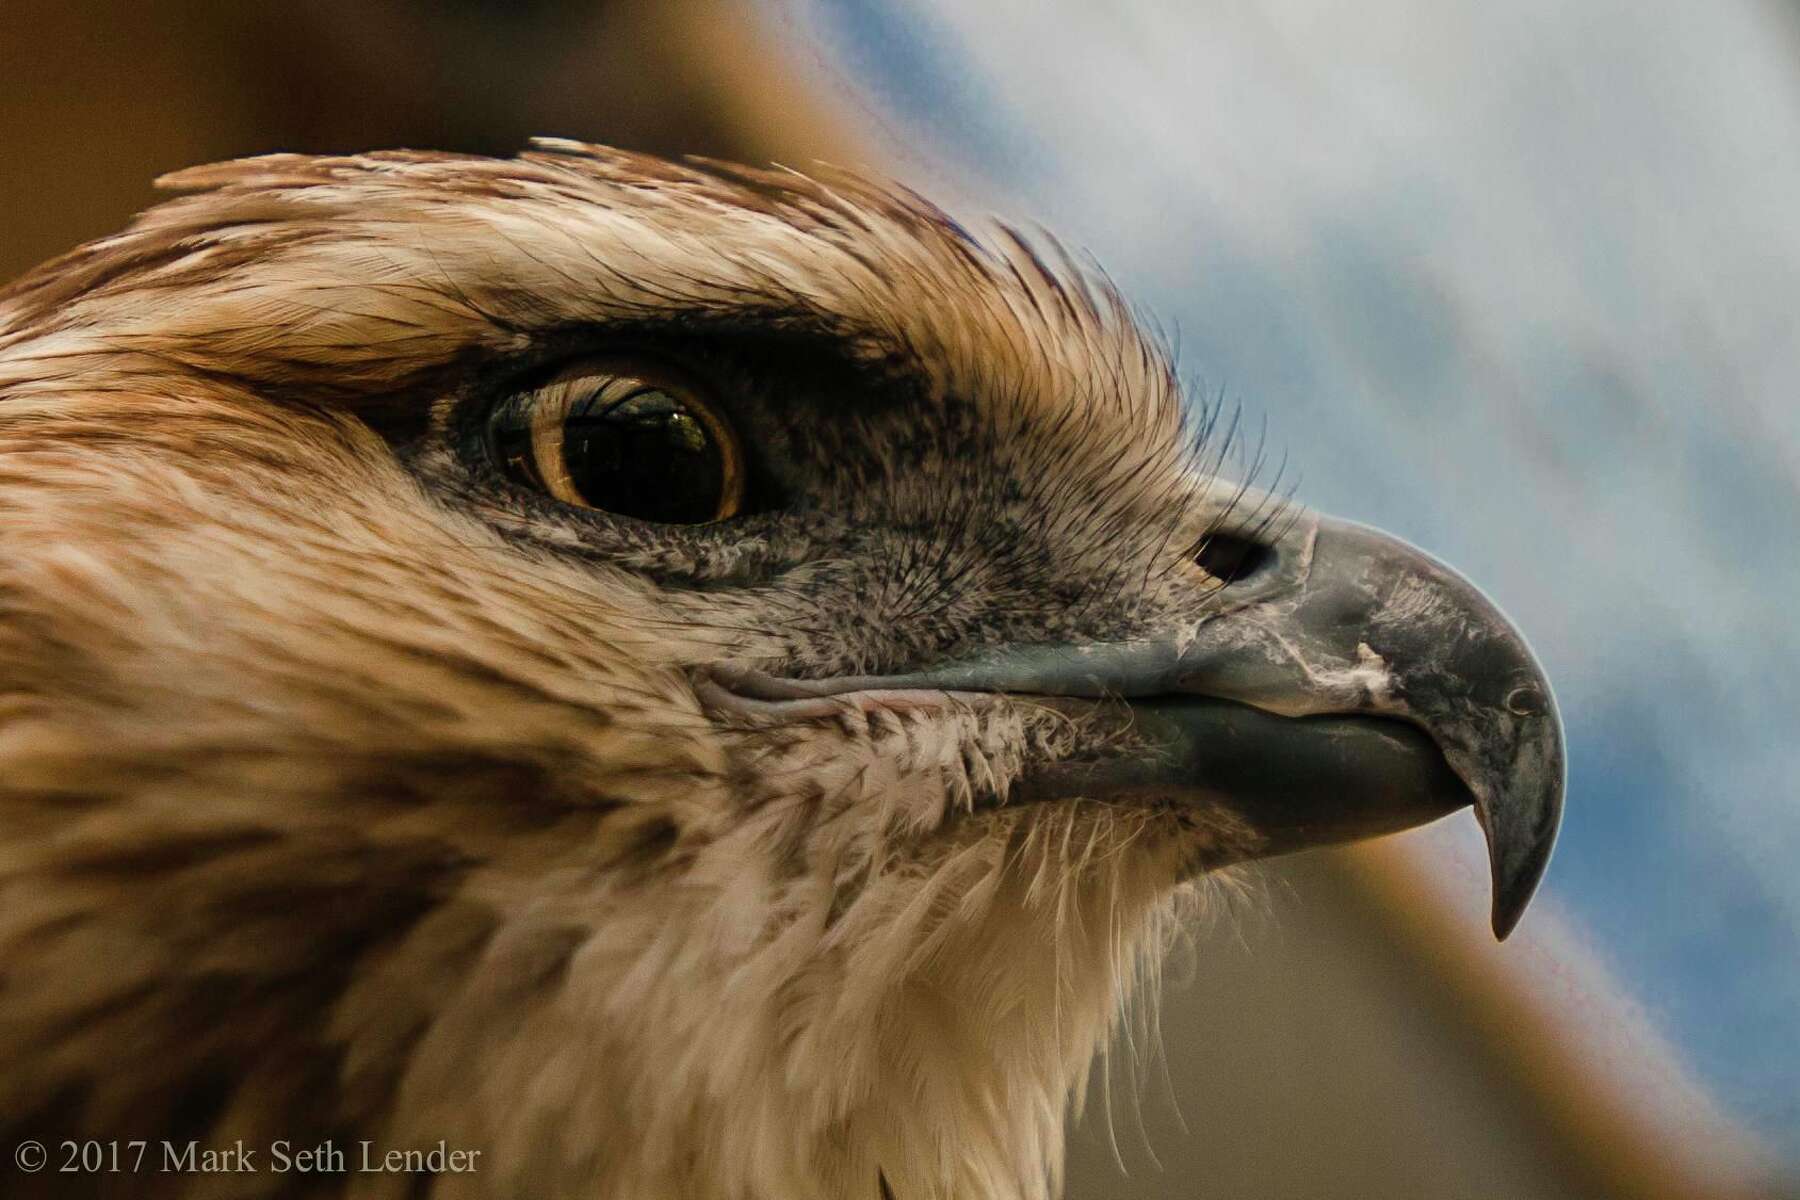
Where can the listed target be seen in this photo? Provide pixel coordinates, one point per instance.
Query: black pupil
(648, 455)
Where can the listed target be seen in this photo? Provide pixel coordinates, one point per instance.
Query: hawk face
(694, 681)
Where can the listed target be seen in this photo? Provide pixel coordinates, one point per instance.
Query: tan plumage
(331, 810)
(349, 794)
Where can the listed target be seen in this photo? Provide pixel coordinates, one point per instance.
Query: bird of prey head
(689, 681)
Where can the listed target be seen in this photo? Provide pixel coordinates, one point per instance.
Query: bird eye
(626, 438)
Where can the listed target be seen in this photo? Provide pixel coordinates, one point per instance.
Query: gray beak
(1348, 685)
(1378, 628)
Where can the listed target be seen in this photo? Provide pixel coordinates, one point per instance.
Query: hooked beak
(1349, 686)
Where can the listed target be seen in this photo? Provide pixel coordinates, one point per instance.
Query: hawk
(671, 679)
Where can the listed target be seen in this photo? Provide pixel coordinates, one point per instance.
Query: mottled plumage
(348, 792)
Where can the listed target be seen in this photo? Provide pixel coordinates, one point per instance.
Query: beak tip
(1507, 912)
(1510, 904)
(1520, 842)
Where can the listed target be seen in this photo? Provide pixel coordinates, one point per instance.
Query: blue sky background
(1521, 283)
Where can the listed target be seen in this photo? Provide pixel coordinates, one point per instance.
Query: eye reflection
(626, 441)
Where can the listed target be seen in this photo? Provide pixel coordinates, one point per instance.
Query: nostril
(1228, 558)
(1525, 701)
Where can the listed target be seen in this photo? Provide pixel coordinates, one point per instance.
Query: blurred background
(1519, 282)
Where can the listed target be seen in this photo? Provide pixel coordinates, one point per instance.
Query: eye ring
(628, 437)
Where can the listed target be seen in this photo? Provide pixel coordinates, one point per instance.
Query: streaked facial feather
(354, 794)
